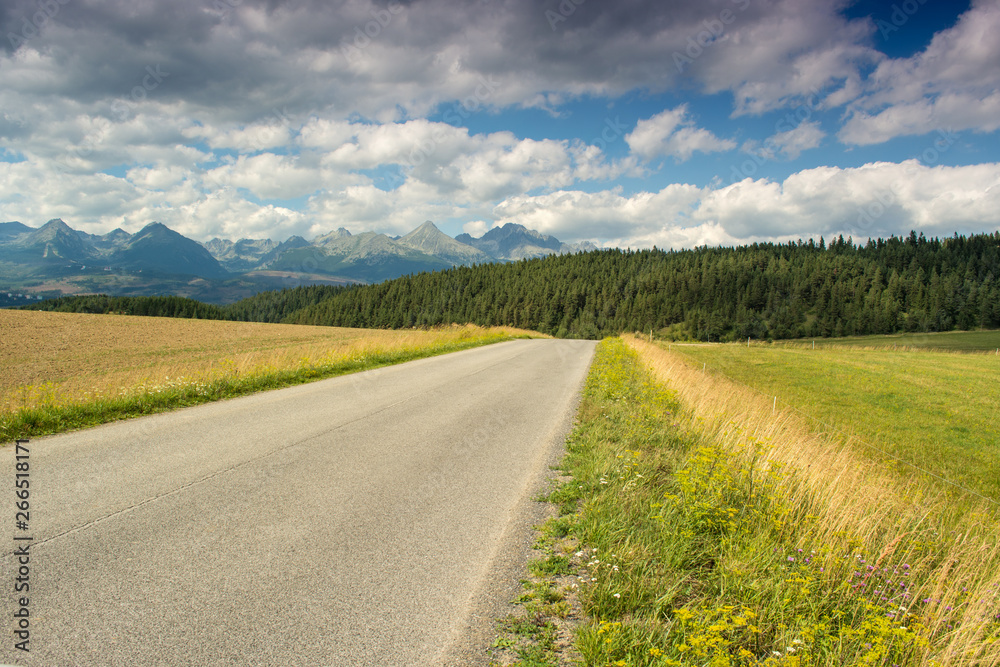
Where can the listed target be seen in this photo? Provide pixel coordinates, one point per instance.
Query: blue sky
(636, 123)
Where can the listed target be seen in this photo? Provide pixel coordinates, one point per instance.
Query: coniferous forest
(759, 291)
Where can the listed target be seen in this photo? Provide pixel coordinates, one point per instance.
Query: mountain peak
(56, 223)
(431, 240)
(513, 241)
(428, 230)
(158, 247)
(331, 237)
(55, 240)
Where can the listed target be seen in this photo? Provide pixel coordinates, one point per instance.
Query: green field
(938, 410)
(965, 341)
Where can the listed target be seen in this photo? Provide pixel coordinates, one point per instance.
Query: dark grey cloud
(239, 58)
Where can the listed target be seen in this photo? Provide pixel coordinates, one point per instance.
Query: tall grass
(718, 534)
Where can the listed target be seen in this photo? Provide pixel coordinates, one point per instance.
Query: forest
(760, 291)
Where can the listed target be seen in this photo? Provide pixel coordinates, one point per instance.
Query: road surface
(373, 519)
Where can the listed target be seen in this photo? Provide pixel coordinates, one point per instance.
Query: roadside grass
(92, 369)
(713, 533)
(960, 341)
(938, 410)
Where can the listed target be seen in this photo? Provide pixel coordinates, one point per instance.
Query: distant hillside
(762, 291)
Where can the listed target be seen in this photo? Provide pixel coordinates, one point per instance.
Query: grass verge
(48, 414)
(716, 534)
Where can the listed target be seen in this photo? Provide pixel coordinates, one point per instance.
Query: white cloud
(878, 199)
(953, 84)
(791, 143)
(268, 176)
(777, 54)
(272, 133)
(476, 228)
(672, 133)
(609, 216)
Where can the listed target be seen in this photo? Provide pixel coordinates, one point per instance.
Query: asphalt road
(373, 519)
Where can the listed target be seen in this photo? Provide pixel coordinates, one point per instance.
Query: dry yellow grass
(62, 358)
(861, 507)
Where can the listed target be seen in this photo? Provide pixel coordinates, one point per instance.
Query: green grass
(962, 341)
(54, 418)
(699, 553)
(937, 410)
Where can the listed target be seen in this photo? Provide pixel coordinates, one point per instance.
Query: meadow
(704, 527)
(962, 341)
(69, 370)
(939, 411)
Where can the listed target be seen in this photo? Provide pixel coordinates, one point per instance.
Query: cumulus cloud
(672, 133)
(877, 199)
(269, 176)
(382, 59)
(789, 144)
(953, 84)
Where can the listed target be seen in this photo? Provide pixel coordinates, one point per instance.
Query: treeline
(149, 306)
(761, 291)
(264, 307)
(278, 305)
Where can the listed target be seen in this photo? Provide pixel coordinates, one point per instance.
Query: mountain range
(56, 259)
